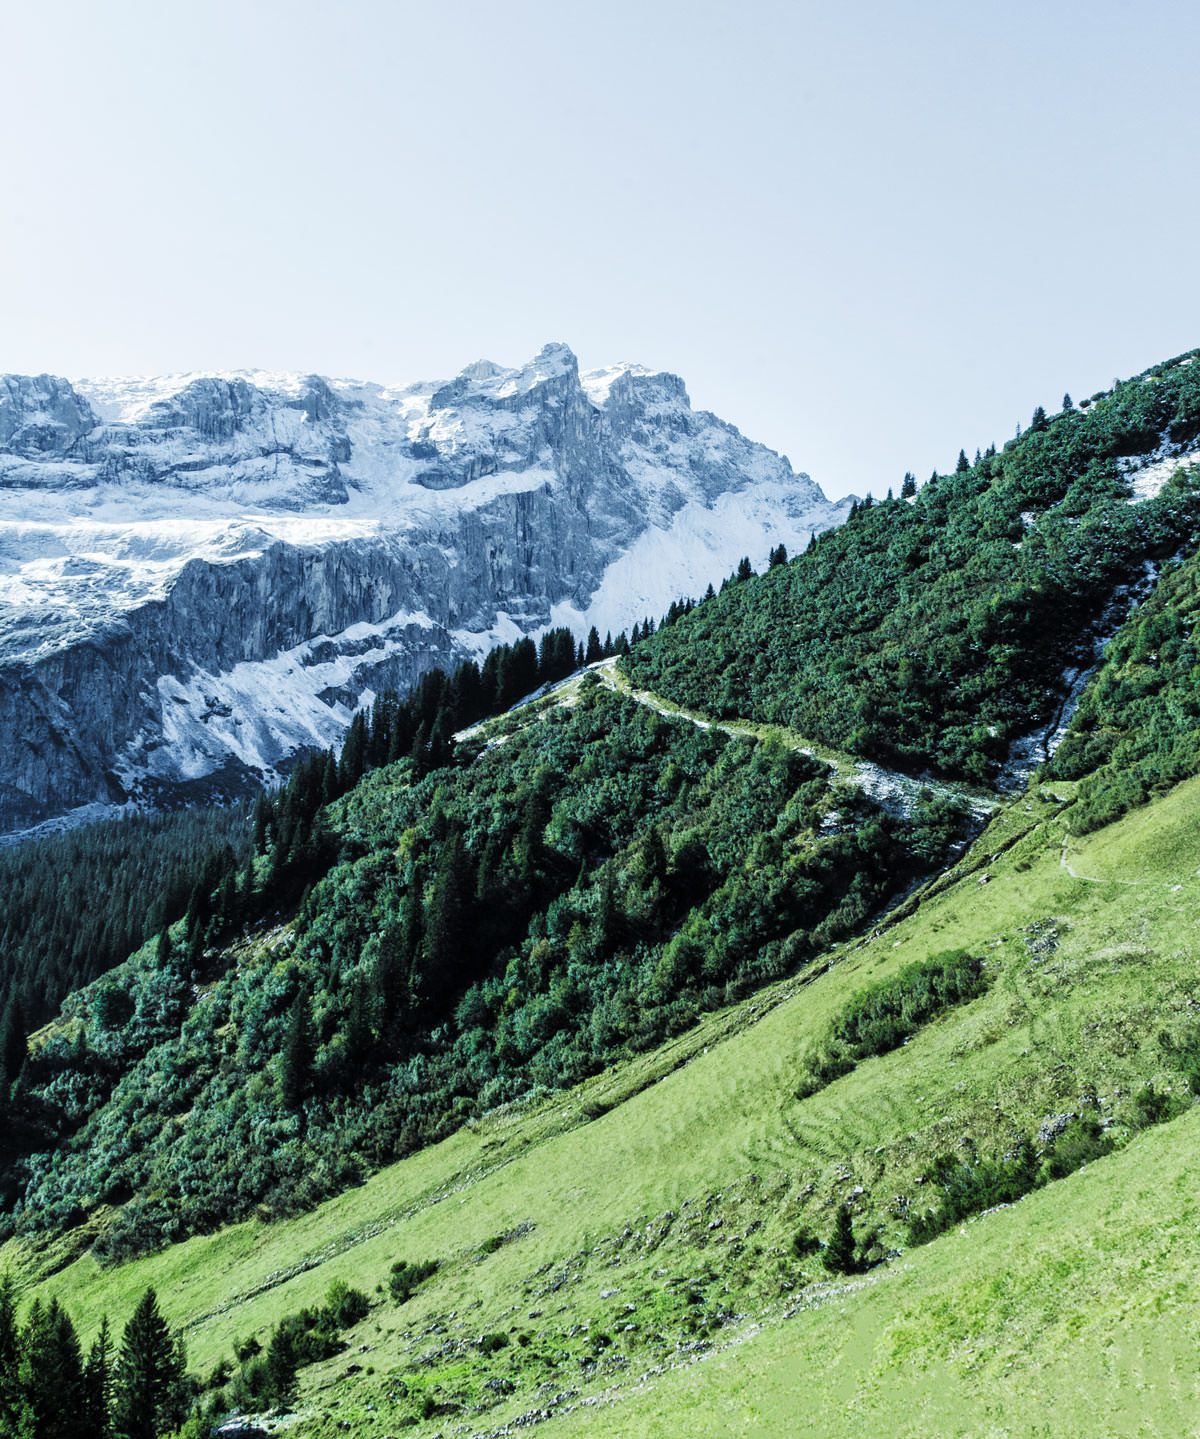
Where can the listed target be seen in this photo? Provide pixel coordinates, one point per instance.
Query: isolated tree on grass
(839, 1252)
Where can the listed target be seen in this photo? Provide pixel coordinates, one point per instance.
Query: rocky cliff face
(201, 575)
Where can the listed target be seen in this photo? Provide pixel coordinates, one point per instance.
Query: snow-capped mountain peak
(171, 547)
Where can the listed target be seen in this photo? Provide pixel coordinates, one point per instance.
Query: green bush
(405, 1277)
(345, 1306)
(883, 1016)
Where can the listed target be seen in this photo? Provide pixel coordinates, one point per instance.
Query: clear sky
(867, 233)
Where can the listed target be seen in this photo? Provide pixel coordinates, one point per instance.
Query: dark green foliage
(148, 1390)
(883, 1016)
(969, 1188)
(840, 1256)
(1078, 1144)
(48, 1390)
(344, 1305)
(268, 1378)
(1136, 732)
(298, 1051)
(804, 1243)
(405, 1277)
(574, 895)
(98, 1385)
(930, 634)
(493, 1343)
(74, 905)
(1152, 1106)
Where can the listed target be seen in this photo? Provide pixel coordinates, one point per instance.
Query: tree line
(49, 1389)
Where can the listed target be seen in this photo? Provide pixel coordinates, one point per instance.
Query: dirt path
(890, 789)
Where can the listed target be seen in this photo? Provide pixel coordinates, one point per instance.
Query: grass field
(631, 1241)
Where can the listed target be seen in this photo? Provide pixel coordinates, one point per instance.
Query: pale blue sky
(866, 233)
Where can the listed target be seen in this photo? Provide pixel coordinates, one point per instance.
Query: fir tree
(839, 1252)
(146, 1390)
(97, 1385)
(12, 1404)
(298, 1050)
(14, 1044)
(909, 487)
(962, 463)
(51, 1374)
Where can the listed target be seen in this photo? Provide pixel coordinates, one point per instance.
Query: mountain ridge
(159, 539)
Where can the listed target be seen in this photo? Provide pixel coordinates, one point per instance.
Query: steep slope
(946, 630)
(201, 574)
(616, 1236)
(594, 880)
(777, 1125)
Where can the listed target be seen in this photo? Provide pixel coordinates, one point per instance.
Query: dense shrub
(1137, 729)
(883, 1016)
(405, 1277)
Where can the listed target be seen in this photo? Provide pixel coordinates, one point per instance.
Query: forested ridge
(930, 630)
(74, 905)
(466, 935)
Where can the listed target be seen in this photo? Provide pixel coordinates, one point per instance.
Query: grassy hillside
(684, 1148)
(677, 1184)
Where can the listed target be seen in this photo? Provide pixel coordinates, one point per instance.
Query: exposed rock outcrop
(202, 575)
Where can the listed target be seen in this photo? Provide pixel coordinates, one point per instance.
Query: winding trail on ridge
(890, 789)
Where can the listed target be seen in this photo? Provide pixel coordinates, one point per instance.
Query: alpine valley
(782, 1019)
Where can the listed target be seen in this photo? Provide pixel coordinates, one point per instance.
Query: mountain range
(203, 575)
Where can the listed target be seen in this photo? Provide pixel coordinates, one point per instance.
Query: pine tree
(354, 753)
(298, 1050)
(51, 1373)
(147, 1383)
(14, 1044)
(97, 1385)
(1068, 403)
(12, 1404)
(281, 1367)
(594, 650)
(449, 920)
(745, 570)
(1039, 421)
(909, 487)
(839, 1252)
(962, 463)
